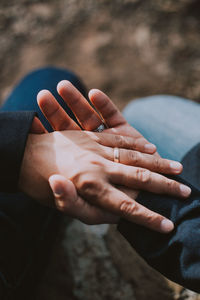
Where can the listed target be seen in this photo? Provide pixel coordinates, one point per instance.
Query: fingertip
(93, 92)
(150, 148)
(176, 166)
(63, 84)
(56, 177)
(185, 190)
(166, 226)
(43, 97)
(42, 94)
(97, 97)
(62, 186)
(56, 184)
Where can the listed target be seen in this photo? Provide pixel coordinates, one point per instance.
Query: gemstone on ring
(101, 128)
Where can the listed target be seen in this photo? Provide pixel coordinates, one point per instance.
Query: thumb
(64, 191)
(68, 201)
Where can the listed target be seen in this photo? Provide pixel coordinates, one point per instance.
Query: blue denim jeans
(170, 122)
(24, 95)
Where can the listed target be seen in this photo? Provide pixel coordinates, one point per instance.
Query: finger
(85, 114)
(143, 160)
(117, 202)
(37, 127)
(67, 201)
(144, 179)
(106, 108)
(54, 113)
(120, 141)
(115, 121)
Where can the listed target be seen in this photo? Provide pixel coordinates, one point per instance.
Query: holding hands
(92, 186)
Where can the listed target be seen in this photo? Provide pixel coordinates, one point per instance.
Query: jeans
(170, 122)
(24, 95)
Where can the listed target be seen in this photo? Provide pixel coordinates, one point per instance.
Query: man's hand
(68, 201)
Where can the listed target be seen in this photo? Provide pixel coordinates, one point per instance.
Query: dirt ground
(127, 48)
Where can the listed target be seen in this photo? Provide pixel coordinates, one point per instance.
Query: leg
(26, 224)
(171, 123)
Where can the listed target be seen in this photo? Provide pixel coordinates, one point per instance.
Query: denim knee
(24, 95)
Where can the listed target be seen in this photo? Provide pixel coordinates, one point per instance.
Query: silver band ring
(116, 155)
(101, 128)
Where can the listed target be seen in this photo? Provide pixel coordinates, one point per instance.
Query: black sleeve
(175, 255)
(14, 128)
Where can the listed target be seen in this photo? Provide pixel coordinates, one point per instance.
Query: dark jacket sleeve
(175, 255)
(14, 128)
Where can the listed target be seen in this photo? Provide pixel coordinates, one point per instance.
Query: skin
(96, 208)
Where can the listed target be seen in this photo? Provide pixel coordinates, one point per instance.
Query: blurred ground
(128, 48)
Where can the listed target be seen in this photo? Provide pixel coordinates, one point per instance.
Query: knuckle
(92, 187)
(172, 185)
(143, 175)
(153, 220)
(86, 183)
(157, 163)
(119, 141)
(127, 208)
(135, 143)
(134, 157)
(138, 142)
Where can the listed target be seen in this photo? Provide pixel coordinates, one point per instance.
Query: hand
(91, 174)
(59, 119)
(68, 201)
(66, 198)
(88, 118)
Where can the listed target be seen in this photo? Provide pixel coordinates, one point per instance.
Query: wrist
(33, 179)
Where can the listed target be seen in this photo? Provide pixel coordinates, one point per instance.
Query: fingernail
(185, 190)
(175, 165)
(150, 147)
(58, 191)
(166, 225)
